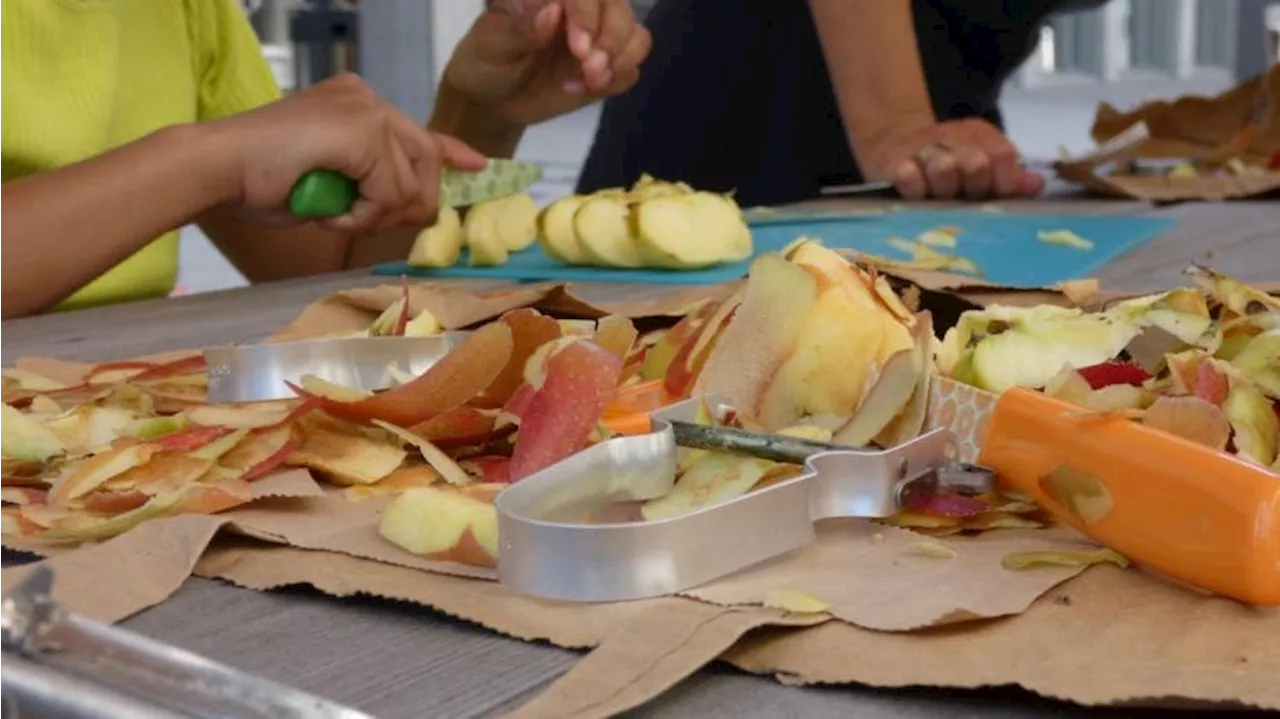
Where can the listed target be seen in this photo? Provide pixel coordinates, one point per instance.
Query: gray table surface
(399, 660)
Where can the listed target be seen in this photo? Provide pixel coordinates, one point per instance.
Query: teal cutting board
(1004, 245)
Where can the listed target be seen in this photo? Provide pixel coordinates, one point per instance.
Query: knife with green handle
(325, 193)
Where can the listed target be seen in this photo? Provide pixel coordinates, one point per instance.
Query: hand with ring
(968, 158)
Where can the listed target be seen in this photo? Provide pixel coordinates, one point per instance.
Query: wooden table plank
(399, 661)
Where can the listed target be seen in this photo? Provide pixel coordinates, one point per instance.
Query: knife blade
(325, 193)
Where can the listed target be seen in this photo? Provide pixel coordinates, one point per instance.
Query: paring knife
(325, 193)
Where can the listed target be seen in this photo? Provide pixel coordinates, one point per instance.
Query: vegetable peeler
(250, 373)
(325, 193)
(1185, 510)
(549, 545)
(58, 663)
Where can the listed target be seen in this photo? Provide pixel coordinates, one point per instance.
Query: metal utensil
(58, 663)
(549, 548)
(325, 193)
(247, 373)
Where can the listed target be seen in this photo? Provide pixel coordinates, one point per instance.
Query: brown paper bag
(1242, 123)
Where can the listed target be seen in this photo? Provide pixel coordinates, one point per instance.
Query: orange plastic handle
(1192, 513)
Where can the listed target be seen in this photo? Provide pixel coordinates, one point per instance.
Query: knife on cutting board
(325, 193)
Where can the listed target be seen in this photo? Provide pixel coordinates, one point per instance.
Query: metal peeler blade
(547, 549)
(57, 663)
(249, 373)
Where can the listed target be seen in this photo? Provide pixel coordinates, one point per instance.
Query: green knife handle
(323, 193)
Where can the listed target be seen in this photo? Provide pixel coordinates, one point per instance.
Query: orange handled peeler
(1183, 509)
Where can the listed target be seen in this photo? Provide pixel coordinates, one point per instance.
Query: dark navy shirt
(736, 93)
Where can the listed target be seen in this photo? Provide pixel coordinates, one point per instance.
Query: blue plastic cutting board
(1004, 245)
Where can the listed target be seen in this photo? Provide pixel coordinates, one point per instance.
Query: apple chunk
(580, 382)
(441, 244)
(445, 524)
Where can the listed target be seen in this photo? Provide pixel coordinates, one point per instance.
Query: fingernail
(597, 61)
(580, 42)
(574, 86)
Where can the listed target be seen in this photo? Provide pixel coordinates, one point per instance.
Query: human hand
(530, 60)
(339, 124)
(969, 158)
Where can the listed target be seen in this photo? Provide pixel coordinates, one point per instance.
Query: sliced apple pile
(491, 231)
(654, 224)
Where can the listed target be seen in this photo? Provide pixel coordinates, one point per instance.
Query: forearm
(66, 227)
(267, 255)
(456, 116)
(874, 61)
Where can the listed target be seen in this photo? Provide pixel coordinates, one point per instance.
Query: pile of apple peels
(810, 346)
(1201, 362)
(130, 441)
(88, 461)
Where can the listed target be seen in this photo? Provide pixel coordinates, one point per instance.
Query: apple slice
(515, 218)
(581, 379)
(90, 428)
(91, 473)
(347, 456)
(713, 479)
(453, 381)
(603, 228)
(439, 245)
(483, 236)
(764, 333)
(444, 524)
(556, 234)
(260, 452)
(689, 231)
(23, 495)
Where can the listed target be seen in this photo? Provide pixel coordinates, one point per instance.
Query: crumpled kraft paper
(1242, 123)
(1108, 637)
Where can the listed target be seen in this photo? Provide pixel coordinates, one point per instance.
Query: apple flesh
(445, 524)
(23, 438)
(441, 244)
(556, 233)
(713, 479)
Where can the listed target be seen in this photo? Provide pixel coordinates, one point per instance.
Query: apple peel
(457, 378)
(439, 461)
(581, 379)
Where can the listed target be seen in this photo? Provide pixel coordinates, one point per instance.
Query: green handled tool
(325, 193)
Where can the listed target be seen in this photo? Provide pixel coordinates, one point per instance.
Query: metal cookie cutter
(57, 663)
(549, 548)
(248, 373)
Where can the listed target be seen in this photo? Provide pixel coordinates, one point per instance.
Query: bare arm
(65, 227)
(875, 65)
(477, 126)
